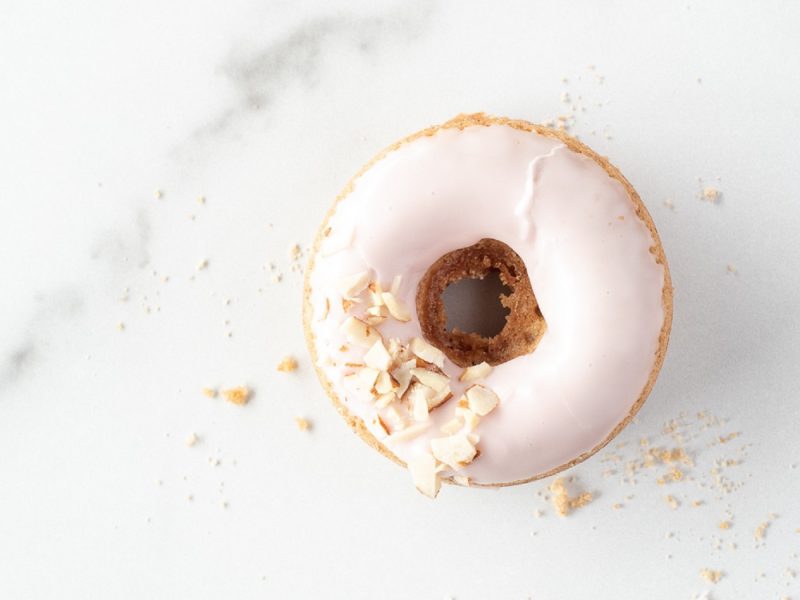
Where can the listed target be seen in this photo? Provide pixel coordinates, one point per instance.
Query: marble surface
(266, 109)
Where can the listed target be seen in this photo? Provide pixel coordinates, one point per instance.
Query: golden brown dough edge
(482, 120)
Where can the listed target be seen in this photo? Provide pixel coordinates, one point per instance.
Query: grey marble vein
(299, 58)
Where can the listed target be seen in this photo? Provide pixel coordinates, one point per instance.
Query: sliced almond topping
(423, 472)
(395, 288)
(384, 384)
(481, 400)
(377, 357)
(394, 419)
(452, 426)
(374, 321)
(418, 397)
(367, 377)
(396, 308)
(454, 450)
(402, 375)
(475, 372)
(353, 285)
(427, 352)
(385, 400)
(409, 433)
(377, 311)
(359, 332)
(441, 397)
(375, 293)
(434, 380)
(471, 420)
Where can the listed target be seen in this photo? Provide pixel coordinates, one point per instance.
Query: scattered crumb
(669, 204)
(302, 424)
(617, 506)
(209, 392)
(295, 252)
(696, 503)
(287, 364)
(731, 269)
(203, 264)
(201, 199)
(190, 497)
(711, 194)
(725, 525)
(761, 531)
(158, 194)
(562, 501)
(673, 502)
(120, 326)
(191, 439)
(238, 395)
(710, 575)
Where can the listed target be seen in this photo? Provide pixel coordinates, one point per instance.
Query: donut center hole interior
(477, 304)
(472, 305)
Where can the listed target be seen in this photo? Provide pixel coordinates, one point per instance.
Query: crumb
(731, 269)
(158, 194)
(209, 392)
(761, 531)
(287, 364)
(669, 204)
(710, 575)
(203, 264)
(201, 199)
(120, 326)
(561, 500)
(725, 525)
(191, 439)
(295, 252)
(302, 424)
(673, 502)
(238, 395)
(190, 498)
(711, 194)
(696, 503)
(617, 506)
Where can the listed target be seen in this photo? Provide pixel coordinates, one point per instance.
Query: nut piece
(419, 396)
(433, 380)
(377, 357)
(441, 396)
(455, 450)
(384, 383)
(452, 426)
(396, 308)
(360, 333)
(238, 395)
(409, 433)
(481, 400)
(423, 473)
(352, 286)
(475, 372)
(427, 352)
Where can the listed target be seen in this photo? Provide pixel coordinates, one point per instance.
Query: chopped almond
(481, 400)
(384, 384)
(353, 285)
(418, 397)
(452, 426)
(360, 333)
(476, 372)
(423, 473)
(409, 433)
(441, 397)
(454, 450)
(433, 380)
(427, 352)
(395, 288)
(377, 357)
(396, 308)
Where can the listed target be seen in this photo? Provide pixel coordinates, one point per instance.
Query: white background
(267, 108)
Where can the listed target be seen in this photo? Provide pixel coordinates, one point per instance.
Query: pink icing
(587, 253)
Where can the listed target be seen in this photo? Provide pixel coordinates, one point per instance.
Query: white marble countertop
(266, 109)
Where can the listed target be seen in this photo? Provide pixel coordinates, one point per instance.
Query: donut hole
(474, 305)
(458, 308)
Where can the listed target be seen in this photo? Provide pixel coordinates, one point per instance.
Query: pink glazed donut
(590, 302)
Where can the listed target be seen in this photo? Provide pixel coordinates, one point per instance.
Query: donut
(587, 293)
